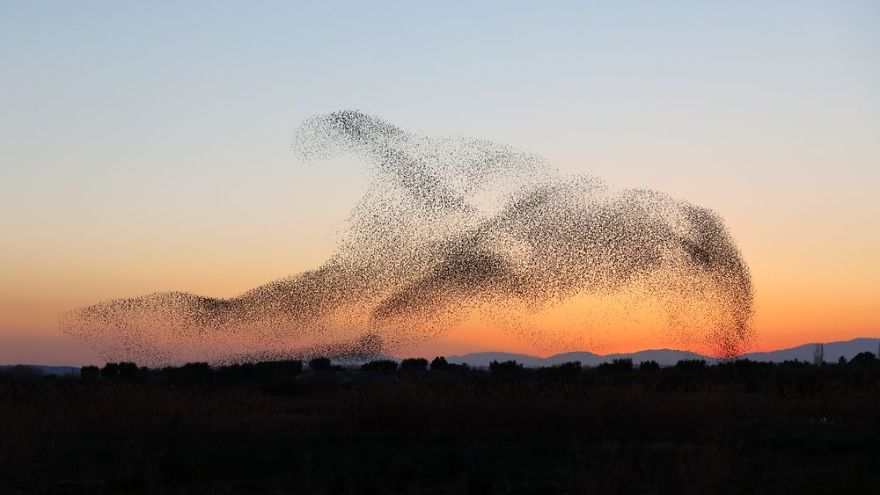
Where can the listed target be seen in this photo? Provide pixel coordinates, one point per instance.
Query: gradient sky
(144, 146)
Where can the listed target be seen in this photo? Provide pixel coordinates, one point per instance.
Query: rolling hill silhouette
(668, 357)
(665, 357)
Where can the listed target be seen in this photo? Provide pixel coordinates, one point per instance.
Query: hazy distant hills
(833, 351)
(662, 356)
(665, 357)
(46, 370)
(668, 357)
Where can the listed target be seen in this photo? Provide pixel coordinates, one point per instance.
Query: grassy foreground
(738, 427)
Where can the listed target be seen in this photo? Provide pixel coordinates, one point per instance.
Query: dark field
(738, 427)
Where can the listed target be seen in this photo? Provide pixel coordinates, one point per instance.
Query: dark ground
(735, 428)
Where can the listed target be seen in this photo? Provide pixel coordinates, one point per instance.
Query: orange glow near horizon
(799, 298)
(786, 315)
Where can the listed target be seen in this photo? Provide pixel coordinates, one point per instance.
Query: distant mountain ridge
(833, 351)
(668, 357)
(665, 357)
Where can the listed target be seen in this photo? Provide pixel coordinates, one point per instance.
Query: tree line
(291, 376)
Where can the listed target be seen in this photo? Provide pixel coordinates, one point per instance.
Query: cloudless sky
(144, 146)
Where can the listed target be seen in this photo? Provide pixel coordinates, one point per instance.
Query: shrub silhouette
(414, 364)
(745, 365)
(248, 422)
(191, 375)
(439, 363)
(617, 365)
(320, 364)
(126, 371)
(381, 365)
(279, 368)
(275, 377)
(566, 372)
(794, 363)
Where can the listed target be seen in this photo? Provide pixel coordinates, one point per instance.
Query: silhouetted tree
(691, 365)
(566, 372)
(89, 374)
(439, 363)
(819, 354)
(863, 359)
(649, 367)
(127, 371)
(414, 364)
(110, 371)
(505, 367)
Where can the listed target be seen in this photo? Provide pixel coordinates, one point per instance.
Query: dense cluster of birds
(448, 228)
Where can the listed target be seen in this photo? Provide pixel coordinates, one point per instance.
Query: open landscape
(477, 248)
(387, 427)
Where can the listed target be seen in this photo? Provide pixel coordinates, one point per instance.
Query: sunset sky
(146, 146)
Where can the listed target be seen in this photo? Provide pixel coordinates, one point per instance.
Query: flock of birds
(448, 228)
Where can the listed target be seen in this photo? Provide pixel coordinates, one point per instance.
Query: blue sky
(155, 134)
